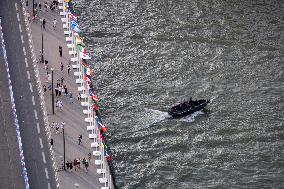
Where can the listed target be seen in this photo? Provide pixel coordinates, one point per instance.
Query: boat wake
(154, 116)
(190, 118)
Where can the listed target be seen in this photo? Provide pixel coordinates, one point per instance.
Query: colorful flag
(87, 71)
(86, 78)
(84, 56)
(72, 16)
(94, 97)
(95, 107)
(84, 63)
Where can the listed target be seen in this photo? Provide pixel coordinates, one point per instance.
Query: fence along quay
(79, 59)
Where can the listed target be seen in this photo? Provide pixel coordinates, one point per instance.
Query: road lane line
(24, 50)
(40, 142)
(16, 6)
(35, 114)
(18, 16)
(20, 28)
(38, 129)
(28, 73)
(43, 157)
(22, 38)
(26, 61)
(33, 100)
(46, 173)
(31, 87)
(48, 186)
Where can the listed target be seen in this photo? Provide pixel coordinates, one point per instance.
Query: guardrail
(94, 126)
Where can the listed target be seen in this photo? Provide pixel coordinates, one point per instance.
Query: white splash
(190, 118)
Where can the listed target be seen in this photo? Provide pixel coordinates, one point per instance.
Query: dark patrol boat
(187, 107)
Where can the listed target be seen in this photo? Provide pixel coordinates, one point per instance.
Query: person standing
(61, 67)
(70, 98)
(54, 23)
(60, 51)
(43, 23)
(80, 139)
(68, 69)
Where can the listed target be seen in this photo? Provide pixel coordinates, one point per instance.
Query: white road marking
(43, 157)
(26, 61)
(16, 6)
(28, 73)
(38, 129)
(22, 38)
(40, 142)
(48, 186)
(18, 16)
(24, 50)
(35, 114)
(31, 87)
(33, 100)
(46, 173)
(20, 28)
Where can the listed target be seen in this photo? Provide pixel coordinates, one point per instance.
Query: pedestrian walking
(86, 165)
(27, 3)
(59, 90)
(60, 51)
(70, 166)
(66, 91)
(56, 128)
(60, 105)
(79, 97)
(89, 156)
(67, 165)
(44, 88)
(80, 139)
(62, 80)
(61, 66)
(39, 6)
(43, 23)
(56, 91)
(68, 69)
(54, 23)
(51, 142)
(70, 98)
(75, 164)
(79, 163)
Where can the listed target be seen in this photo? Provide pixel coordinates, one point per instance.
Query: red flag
(95, 107)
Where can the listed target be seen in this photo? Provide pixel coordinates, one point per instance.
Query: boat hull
(183, 113)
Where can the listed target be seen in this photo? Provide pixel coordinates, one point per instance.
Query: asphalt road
(35, 144)
(10, 164)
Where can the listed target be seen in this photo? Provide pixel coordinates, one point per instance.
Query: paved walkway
(72, 113)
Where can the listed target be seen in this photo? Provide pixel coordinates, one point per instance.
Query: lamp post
(52, 91)
(33, 8)
(42, 59)
(63, 146)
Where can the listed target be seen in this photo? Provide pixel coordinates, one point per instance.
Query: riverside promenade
(72, 113)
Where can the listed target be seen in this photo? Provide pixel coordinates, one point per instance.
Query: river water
(149, 54)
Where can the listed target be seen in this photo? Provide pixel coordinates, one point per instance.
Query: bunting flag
(95, 107)
(104, 130)
(72, 16)
(86, 78)
(79, 40)
(87, 71)
(106, 153)
(84, 63)
(84, 56)
(94, 97)
(75, 26)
